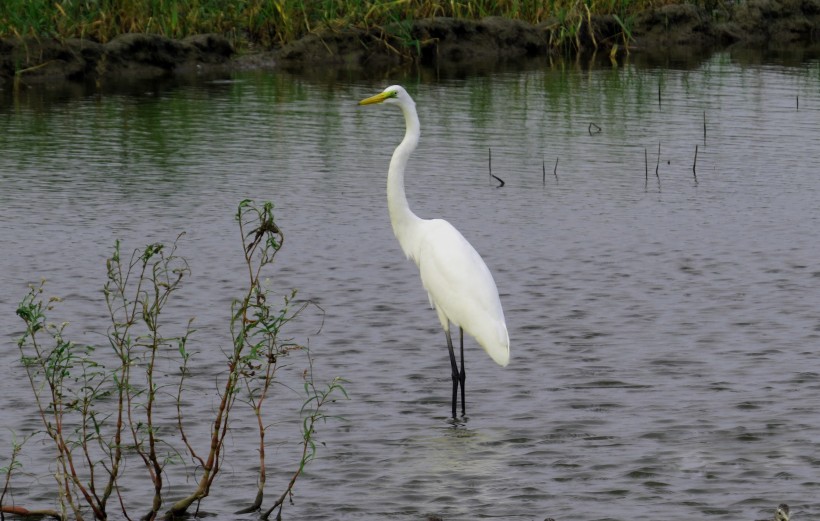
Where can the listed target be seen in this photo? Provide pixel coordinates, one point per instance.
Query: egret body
(458, 282)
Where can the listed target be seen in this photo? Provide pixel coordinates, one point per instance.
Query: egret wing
(461, 287)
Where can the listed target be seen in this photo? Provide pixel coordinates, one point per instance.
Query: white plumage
(458, 282)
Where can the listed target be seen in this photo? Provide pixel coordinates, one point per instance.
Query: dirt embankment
(440, 41)
(138, 55)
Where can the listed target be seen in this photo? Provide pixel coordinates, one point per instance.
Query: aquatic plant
(99, 405)
(277, 22)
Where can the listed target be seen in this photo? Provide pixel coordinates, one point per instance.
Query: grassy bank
(273, 22)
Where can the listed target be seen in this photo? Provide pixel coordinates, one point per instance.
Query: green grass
(274, 22)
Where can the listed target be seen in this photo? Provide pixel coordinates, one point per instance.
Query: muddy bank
(667, 29)
(441, 41)
(134, 55)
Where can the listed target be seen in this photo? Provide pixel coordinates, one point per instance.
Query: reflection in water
(663, 358)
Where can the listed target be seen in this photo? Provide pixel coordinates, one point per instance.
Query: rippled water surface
(664, 327)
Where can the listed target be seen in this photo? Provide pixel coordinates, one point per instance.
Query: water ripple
(663, 328)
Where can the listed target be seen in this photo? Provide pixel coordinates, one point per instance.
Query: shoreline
(441, 42)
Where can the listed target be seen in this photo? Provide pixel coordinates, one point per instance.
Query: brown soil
(442, 42)
(137, 55)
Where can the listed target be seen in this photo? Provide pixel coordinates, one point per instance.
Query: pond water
(664, 323)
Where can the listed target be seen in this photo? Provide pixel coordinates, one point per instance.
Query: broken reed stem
(704, 127)
(544, 171)
(659, 92)
(490, 164)
(490, 160)
(658, 164)
(695, 165)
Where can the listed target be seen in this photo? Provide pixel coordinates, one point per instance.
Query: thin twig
(659, 162)
(490, 163)
(24, 512)
(704, 127)
(694, 165)
(646, 165)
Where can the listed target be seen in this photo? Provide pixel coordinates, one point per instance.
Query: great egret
(459, 284)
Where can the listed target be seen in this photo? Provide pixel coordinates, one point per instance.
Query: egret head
(394, 94)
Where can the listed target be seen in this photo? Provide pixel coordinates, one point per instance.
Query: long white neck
(401, 216)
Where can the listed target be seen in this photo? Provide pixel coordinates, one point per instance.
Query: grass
(277, 22)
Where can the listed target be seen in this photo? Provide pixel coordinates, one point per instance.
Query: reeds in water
(276, 22)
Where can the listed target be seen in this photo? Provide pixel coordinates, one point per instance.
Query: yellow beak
(378, 98)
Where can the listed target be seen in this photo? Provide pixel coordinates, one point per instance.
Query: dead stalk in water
(490, 164)
(694, 165)
(658, 164)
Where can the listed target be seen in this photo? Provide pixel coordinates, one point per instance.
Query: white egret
(458, 282)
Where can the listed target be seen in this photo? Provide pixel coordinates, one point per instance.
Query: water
(664, 328)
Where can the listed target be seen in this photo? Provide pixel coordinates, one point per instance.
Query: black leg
(462, 376)
(455, 373)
